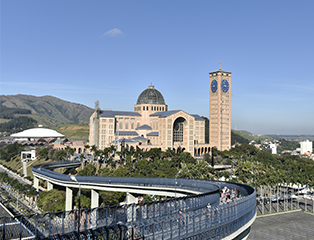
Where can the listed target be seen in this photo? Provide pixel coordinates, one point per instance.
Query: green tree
(89, 170)
(52, 201)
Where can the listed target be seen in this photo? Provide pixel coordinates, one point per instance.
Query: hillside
(46, 110)
(74, 131)
(249, 136)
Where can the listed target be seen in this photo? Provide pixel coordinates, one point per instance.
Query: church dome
(151, 96)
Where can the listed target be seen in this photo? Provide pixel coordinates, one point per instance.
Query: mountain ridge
(50, 107)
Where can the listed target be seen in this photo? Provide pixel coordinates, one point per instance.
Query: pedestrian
(181, 217)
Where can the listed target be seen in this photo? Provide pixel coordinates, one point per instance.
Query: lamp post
(73, 178)
(175, 188)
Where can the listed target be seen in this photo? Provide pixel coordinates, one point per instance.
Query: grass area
(74, 131)
(16, 165)
(3, 120)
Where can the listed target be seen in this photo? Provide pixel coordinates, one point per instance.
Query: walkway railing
(282, 198)
(154, 220)
(174, 218)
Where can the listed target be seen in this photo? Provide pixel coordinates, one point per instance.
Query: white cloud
(113, 32)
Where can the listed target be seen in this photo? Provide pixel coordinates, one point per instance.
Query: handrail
(153, 220)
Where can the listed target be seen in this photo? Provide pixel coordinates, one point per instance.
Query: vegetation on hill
(10, 151)
(47, 110)
(8, 113)
(237, 138)
(287, 145)
(17, 124)
(74, 131)
(251, 166)
(258, 138)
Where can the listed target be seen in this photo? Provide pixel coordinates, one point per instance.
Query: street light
(175, 188)
(73, 178)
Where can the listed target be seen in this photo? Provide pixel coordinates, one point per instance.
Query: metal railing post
(50, 224)
(4, 228)
(193, 224)
(154, 209)
(62, 228)
(107, 215)
(171, 228)
(116, 215)
(36, 221)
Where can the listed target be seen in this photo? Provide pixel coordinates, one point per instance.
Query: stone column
(94, 198)
(36, 183)
(49, 186)
(68, 199)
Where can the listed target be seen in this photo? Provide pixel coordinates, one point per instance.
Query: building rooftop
(110, 113)
(144, 127)
(151, 96)
(38, 133)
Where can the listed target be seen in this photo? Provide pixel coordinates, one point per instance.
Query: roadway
(14, 175)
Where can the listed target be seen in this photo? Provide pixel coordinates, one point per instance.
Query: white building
(35, 133)
(306, 147)
(273, 148)
(28, 155)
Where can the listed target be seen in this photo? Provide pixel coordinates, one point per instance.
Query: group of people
(227, 195)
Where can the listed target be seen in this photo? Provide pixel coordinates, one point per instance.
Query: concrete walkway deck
(289, 225)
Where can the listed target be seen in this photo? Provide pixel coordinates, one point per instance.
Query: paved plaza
(290, 225)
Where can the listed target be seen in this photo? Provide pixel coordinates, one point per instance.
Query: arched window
(178, 129)
(138, 124)
(152, 108)
(132, 126)
(155, 108)
(120, 125)
(143, 108)
(147, 108)
(126, 125)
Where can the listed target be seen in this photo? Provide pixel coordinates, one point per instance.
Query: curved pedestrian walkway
(289, 225)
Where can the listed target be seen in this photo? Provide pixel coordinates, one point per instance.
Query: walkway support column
(49, 186)
(24, 164)
(95, 198)
(130, 198)
(36, 183)
(68, 199)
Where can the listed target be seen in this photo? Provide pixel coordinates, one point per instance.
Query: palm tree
(69, 151)
(87, 147)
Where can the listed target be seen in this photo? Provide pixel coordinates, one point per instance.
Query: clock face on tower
(214, 86)
(225, 85)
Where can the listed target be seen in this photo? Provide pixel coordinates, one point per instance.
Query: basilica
(152, 125)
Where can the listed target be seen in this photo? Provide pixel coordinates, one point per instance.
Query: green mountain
(48, 111)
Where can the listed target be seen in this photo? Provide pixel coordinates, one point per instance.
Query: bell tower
(220, 109)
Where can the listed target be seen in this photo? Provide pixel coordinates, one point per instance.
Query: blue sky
(83, 51)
